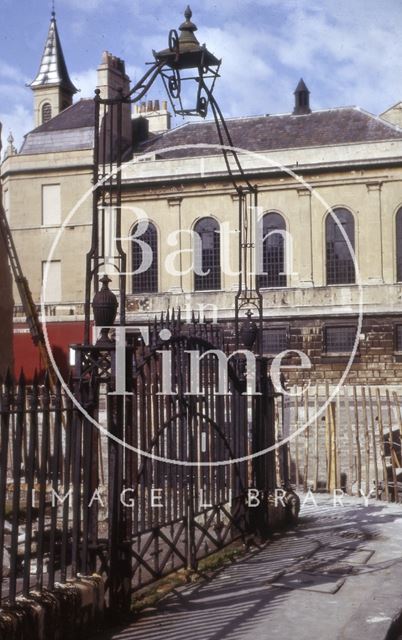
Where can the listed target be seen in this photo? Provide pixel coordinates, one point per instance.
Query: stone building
(6, 299)
(305, 163)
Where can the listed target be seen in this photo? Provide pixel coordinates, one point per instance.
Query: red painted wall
(61, 335)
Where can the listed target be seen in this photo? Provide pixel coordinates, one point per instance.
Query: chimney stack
(158, 116)
(112, 79)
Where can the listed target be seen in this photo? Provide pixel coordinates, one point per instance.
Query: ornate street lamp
(185, 60)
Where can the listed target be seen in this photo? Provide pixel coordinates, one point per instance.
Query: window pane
(340, 264)
(273, 252)
(340, 339)
(209, 233)
(46, 112)
(146, 281)
(274, 340)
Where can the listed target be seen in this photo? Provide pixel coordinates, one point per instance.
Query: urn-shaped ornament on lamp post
(104, 306)
(248, 331)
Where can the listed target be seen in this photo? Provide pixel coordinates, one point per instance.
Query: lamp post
(184, 61)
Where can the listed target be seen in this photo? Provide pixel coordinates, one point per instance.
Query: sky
(349, 52)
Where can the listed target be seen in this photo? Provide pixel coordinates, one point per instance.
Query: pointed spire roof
(301, 86)
(302, 99)
(53, 68)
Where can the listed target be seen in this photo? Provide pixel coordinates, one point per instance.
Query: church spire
(52, 85)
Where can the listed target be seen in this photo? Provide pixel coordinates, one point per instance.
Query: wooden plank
(306, 440)
(316, 441)
(374, 443)
(357, 441)
(394, 459)
(332, 460)
(327, 432)
(346, 404)
(337, 443)
(297, 464)
(382, 444)
(366, 440)
(398, 413)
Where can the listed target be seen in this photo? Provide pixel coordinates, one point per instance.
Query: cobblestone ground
(335, 576)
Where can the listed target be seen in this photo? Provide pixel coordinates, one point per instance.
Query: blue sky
(349, 52)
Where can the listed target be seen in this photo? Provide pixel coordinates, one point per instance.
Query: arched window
(399, 245)
(339, 259)
(46, 112)
(210, 259)
(146, 281)
(273, 251)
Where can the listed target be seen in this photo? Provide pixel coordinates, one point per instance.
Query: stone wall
(377, 360)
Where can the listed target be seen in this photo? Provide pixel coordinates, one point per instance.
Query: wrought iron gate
(178, 488)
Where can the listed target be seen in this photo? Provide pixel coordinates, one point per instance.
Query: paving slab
(336, 576)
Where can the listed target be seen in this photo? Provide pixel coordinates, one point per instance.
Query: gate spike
(46, 380)
(21, 379)
(58, 384)
(70, 379)
(9, 378)
(35, 378)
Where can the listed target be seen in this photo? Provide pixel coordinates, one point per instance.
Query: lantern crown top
(187, 39)
(185, 52)
(188, 27)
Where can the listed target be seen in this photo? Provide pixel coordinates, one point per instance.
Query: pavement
(336, 576)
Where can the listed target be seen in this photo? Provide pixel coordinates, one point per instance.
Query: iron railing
(73, 501)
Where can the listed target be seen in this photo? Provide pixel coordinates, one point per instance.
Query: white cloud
(19, 122)
(85, 81)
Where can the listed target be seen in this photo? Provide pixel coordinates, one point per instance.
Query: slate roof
(71, 130)
(345, 125)
(80, 114)
(53, 68)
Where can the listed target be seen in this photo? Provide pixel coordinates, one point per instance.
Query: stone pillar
(6, 303)
(374, 232)
(304, 260)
